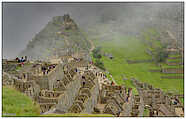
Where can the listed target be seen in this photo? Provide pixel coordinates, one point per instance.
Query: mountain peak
(59, 37)
(66, 22)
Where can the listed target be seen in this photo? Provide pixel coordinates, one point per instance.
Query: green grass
(123, 48)
(17, 104)
(76, 115)
(152, 36)
(174, 55)
(146, 113)
(182, 100)
(174, 60)
(164, 65)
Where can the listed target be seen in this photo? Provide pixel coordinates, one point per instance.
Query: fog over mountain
(22, 21)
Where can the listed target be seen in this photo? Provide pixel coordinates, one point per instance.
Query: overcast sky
(21, 21)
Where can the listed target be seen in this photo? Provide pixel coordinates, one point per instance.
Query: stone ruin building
(68, 22)
(118, 101)
(64, 87)
(158, 102)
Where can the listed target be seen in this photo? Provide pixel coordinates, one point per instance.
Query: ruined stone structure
(48, 99)
(158, 102)
(73, 85)
(139, 61)
(113, 99)
(138, 106)
(102, 79)
(87, 96)
(69, 23)
(173, 70)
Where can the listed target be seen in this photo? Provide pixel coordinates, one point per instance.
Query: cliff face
(61, 36)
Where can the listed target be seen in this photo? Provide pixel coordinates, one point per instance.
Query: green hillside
(18, 104)
(130, 48)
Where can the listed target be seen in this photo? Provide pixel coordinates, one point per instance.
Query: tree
(99, 64)
(97, 53)
(160, 55)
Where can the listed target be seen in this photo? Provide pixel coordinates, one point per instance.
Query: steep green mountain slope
(125, 48)
(59, 37)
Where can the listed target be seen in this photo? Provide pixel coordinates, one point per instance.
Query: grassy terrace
(17, 104)
(174, 60)
(76, 115)
(146, 113)
(164, 65)
(123, 48)
(182, 100)
(174, 55)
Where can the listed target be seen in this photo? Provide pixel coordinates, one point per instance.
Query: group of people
(21, 60)
(175, 101)
(47, 69)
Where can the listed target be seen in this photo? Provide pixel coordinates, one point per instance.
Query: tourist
(76, 70)
(127, 98)
(83, 83)
(22, 60)
(18, 60)
(112, 83)
(118, 113)
(43, 70)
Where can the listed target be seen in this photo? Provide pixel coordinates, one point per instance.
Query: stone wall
(30, 88)
(87, 96)
(139, 104)
(139, 61)
(174, 63)
(176, 57)
(127, 107)
(48, 99)
(43, 82)
(7, 79)
(92, 101)
(56, 75)
(172, 77)
(109, 91)
(156, 100)
(48, 81)
(71, 91)
(173, 70)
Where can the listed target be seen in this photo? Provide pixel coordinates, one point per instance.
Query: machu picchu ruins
(77, 86)
(97, 61)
